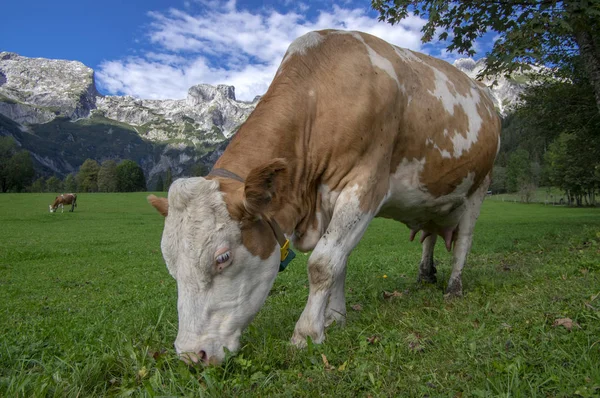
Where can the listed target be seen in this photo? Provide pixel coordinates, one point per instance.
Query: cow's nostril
(202, 355)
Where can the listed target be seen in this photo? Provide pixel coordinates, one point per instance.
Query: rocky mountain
(53, 109)
(211, 111)
(36, 90)
(505, 92)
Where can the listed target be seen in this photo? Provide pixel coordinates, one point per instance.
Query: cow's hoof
(299, 339)
(427, 273)
(452, 296)
(454, 289)
(427, 278)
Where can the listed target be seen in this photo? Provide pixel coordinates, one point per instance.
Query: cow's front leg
(327, 269)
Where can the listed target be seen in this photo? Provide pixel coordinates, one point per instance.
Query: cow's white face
(220, 284)
(51, 209)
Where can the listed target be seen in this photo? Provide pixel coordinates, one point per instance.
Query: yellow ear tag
(287, 255)
(285, 250)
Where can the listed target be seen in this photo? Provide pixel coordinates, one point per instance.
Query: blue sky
(158, 49)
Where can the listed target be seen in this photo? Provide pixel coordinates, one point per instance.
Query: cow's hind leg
(427, 269)
(327, 269)
(464, 238)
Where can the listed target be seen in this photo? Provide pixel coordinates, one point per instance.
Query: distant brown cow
(64, 199)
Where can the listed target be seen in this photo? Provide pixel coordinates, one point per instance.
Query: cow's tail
(74, 202)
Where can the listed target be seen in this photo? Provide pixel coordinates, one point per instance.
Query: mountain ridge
(41, 95)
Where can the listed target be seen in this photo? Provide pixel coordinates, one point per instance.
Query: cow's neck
(269, 133)
(272, 131)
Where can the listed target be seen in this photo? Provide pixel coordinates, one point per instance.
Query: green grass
(87, 308)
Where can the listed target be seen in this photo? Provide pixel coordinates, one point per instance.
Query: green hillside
(62, 145)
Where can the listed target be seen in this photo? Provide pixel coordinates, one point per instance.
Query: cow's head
(52, 209)
(222, 254)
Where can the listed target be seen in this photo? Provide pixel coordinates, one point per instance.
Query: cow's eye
(223, 258)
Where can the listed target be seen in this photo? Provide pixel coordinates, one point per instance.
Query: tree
(107, 176)
(160, 185)
(70, 183)
(87, 178)
(556, 161)
(169, 179)
(573, 167)
(498, 184)
(38, 185)
(542, 32)
(8, 147)
(563, 114)
(527, 191)
(19, 171)
(54, 184)
(556, 106)
(130, 177)
(518, 171)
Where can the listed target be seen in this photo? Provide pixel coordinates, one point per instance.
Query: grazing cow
(64, 199)
(350, 128)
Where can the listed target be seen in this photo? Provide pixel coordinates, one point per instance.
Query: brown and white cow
(351, 128)
(64, 199)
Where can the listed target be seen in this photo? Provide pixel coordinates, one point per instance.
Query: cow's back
(371, 105)
(351, 108)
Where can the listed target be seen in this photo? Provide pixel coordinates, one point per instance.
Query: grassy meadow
(87, 308)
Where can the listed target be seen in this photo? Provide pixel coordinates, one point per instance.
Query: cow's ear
(265, 187)
(160, 204)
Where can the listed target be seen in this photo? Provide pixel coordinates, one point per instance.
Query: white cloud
(226, 45)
